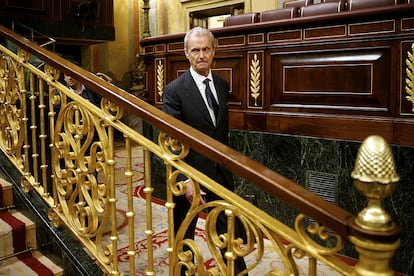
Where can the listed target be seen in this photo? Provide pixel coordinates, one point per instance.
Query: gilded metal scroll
(12, 108)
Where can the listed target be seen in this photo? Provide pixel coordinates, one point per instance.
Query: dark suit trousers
(180, 211)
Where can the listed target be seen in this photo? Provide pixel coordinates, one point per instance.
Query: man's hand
(189, 193)
(104, 76)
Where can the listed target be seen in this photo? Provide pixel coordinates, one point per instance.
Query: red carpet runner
(19, 243)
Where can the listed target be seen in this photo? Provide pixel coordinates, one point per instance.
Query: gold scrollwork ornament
(172, 148)
(54, 217)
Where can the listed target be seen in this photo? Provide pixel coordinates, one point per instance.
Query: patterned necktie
(210, 98)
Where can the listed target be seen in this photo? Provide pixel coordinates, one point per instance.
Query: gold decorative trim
(310, 230)
(54, 217)
(255, 73)
(409, 80)
(172, 148)
(160, 78)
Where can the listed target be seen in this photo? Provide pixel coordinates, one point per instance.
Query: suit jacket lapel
(195, 97)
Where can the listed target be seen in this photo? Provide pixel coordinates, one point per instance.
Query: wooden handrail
(326, 213)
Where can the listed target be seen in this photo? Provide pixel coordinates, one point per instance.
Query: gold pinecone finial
(375, 162)
(375, 177)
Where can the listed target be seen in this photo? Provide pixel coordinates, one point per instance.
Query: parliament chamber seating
(297, 3)
(338, 70)
(279, 14)
(354, 5)
(240, 19)
(322, 8)
(305, 8)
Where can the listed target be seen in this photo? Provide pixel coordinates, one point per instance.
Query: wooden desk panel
(339, 76)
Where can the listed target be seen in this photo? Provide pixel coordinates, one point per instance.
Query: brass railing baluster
(130, 209)
(148, 190)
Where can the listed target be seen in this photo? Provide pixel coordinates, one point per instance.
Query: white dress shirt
(202, 88)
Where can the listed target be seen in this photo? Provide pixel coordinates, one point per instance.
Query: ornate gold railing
(61, 143)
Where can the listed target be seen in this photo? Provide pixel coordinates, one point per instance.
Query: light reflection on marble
(293, 156)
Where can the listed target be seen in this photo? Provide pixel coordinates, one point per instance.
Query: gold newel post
(375, 177)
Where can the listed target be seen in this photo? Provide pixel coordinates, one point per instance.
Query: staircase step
(29, 265)
(7, 188)
(6, 237)
(30, 229)
(57, 270)
(33, 263)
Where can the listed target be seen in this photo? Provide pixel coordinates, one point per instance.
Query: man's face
(200, 53)
(71, 82)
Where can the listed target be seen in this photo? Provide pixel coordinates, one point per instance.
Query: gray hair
(198, 31)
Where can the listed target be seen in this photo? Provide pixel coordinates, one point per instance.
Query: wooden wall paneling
(149, 78)
(255, 121)
(403, 133)
(340, 76)
(176, 65)
(237, 119)
(407, 24)
(231, 65)
(324, 126)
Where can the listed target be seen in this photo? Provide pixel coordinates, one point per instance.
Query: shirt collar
(199, 78)
(83, 88)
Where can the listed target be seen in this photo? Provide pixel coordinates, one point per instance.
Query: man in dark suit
(81, 90)
(199, 98)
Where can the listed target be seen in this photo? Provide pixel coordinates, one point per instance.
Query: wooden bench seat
(241, 19)
(307, 8)
(322, 8)
(280, 14)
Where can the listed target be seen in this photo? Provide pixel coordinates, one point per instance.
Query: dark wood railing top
(326, 213)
